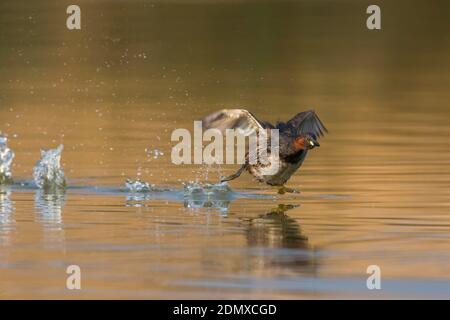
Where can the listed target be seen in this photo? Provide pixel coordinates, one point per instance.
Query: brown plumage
(296, 137)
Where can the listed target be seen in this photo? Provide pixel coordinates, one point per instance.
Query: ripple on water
(198, 195)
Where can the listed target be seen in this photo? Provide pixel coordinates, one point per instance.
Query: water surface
(375, 193)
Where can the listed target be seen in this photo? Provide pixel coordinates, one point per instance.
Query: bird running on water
(296, 137)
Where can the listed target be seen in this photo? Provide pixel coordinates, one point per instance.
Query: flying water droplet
(153, 153)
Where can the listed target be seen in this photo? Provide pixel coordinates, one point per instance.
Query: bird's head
(305, 141)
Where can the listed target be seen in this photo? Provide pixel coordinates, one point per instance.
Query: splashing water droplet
(138, 186)
(6, 158)
(153, 153)
(157, 153)
(47, 172)
(207, 189)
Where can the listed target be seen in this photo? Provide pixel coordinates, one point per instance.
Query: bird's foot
(283, 190)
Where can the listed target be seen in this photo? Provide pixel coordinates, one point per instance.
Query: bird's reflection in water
(48, 207)
(279, 242)
(276, 229)
(6, 219)
(275, 243)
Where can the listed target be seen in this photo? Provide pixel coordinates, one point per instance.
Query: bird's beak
(314, 143)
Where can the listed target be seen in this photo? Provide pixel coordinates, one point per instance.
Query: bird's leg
(283, 190)
(234, 175)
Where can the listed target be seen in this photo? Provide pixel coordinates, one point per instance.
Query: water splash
(198, 195)
(207, 189)
(6, 158)
(138, 186)
(139, 192)
(47, 172)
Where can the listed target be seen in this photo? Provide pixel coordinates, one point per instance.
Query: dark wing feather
(304, 122)
(234, 119)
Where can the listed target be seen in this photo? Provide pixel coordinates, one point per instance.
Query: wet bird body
(296, 137)
(286, 169)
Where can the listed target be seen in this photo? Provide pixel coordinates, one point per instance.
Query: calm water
(375, 193)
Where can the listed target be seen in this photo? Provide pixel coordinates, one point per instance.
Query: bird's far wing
(239, 119)
(307, 122)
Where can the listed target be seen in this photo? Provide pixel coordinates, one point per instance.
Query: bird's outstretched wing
(239, 119)
(304, 122)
